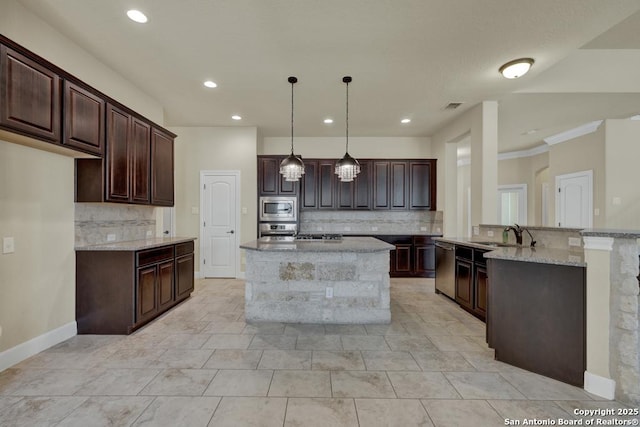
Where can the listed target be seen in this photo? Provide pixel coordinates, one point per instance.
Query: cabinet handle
(230, 232)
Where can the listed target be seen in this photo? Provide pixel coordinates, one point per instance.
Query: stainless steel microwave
(279, 209)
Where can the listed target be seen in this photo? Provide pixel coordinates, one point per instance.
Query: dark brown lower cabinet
(537, 317)
(118, 291)
(413, 256)
(472, 281)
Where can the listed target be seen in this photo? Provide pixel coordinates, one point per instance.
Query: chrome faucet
(517, 230)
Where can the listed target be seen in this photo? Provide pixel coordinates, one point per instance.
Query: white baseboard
(600, 386)
(23, 351)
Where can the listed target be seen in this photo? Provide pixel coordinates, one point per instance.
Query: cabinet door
(381, 177)
(268, 170)
(362, 187)
(464, 283)
(140, 150)
(309, 186)
(402, 259)
(117, 155)
(161, 168)
(481, 287)
(30, 95)
(184, 276)
(83, 119)
(422, 191)
(165, 285)
(146, 293)
(326, 184)
(344, 196)
(399, 188)
(425, 260)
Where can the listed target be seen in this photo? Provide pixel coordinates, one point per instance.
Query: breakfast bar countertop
(135, 245)
(347, 244)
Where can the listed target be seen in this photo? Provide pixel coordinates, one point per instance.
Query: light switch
(111, 237)
(617, 201)
(8, 245)
(195, 210)
(489, 233)
(244, 211)
(423, 228)
(374, 228)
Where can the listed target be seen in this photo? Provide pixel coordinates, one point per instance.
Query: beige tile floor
(201, 364)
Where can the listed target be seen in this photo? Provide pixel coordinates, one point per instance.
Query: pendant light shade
(347, 168)
(292, 167)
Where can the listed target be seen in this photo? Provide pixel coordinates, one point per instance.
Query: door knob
(230, 232)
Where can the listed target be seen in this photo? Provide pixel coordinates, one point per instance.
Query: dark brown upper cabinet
(137, 168)
(84, 119)
(270, 182)
(30, 101)
(422, 184)
(309, 186)
(162, 168)
(357, 193)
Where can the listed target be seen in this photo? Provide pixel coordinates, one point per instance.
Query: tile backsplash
(371, 222)
(97, 223)
(545, 237)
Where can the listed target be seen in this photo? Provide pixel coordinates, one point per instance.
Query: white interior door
(574, 200)
(219, 248)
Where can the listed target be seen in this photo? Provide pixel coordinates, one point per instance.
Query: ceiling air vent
(453, 105)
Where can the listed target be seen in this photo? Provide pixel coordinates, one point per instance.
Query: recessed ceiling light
(209, 83)
(405, 121)
(328, 121)
(516, 68)
(137, 16)
(236, 117)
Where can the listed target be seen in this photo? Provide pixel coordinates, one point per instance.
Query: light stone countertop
(605, 232)
(136, 245)
(574, 257)
(347, 244)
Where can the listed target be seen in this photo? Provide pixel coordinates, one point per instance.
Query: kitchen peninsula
(318, 281)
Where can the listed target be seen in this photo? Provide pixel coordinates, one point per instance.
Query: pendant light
(347, 168)
(292, 168)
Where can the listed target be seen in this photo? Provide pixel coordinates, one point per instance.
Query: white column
(484, 164)
(597, 377)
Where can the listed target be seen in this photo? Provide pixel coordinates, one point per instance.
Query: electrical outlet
(318, 228)
(149, 233)
(489, 233)
(596, 212)
(423, 228)
(575, 241)
(347, 228)
(329, 292)
(8, 245)
(111, 237)
(195, 210)
(374, 228)
(244, 210)
(476, 230)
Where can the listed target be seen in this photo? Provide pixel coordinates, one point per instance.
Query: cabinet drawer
(479, 258)
(464, 252)
(422, 240)
(184, 248)
(151, 256)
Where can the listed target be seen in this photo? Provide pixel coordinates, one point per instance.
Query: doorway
(512, 204)
(574, 200)
(219, 226)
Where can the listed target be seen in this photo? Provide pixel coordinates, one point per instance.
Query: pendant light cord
(347, 120)
(292, 80)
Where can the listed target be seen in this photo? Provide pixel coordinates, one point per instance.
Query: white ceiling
(408, 58)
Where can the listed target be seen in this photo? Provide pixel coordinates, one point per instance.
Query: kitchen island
(318, 281)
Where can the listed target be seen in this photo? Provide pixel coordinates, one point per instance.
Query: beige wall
(527, 170)
(223, 148)
(359, 147)
(580, 154)
(622, 158)
(37, 282)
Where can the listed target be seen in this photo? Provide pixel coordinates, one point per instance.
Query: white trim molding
(567, 135)
(540, 149)
(600, 386)
(23, 351)
(598, 243)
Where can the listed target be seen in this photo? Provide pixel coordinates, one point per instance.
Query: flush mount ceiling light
(137, 16)
(516, 68)
(236, 117)
(405, 121)
(328, 121)
(210, 84)
(347, 168)
(292, 167)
